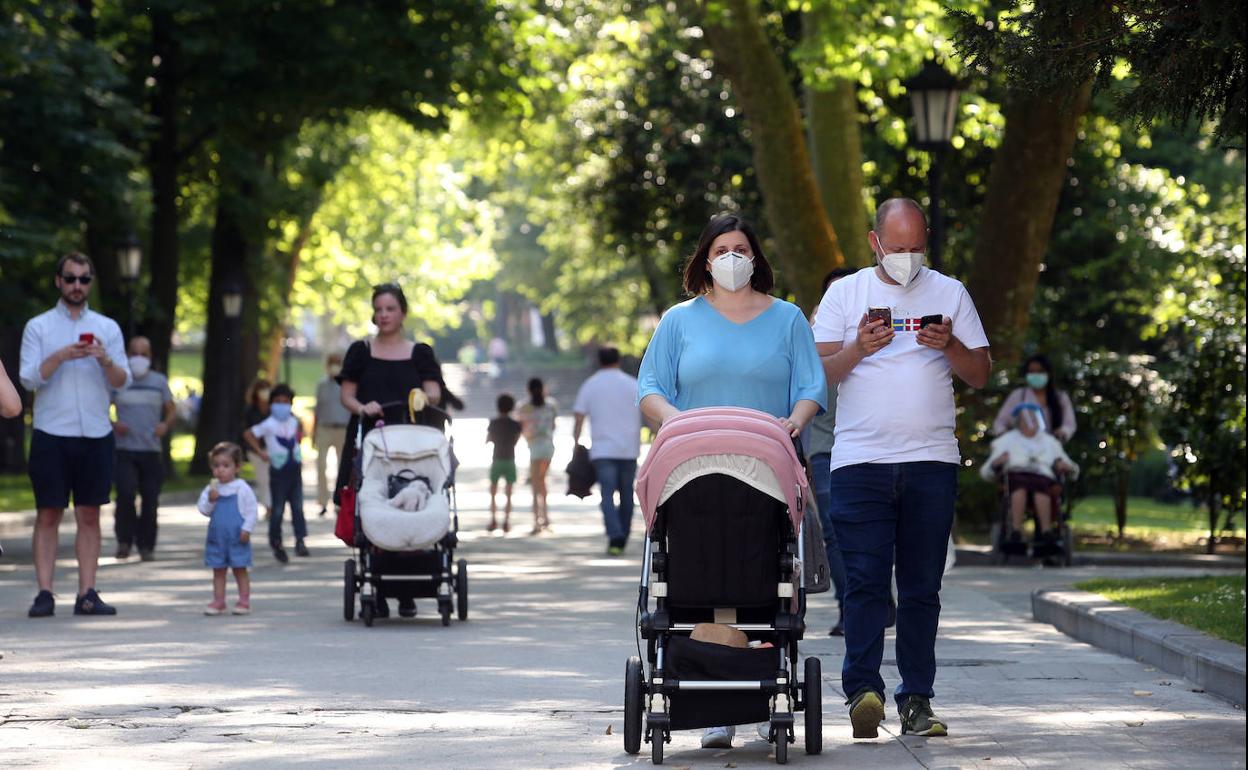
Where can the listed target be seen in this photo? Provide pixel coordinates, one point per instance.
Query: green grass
(1145, 516)
(1214, 605)
(186, 371)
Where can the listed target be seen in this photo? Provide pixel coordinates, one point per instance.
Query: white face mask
(732, 270)
(139, 365)
(903, 266)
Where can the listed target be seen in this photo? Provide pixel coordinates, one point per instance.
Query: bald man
(145, 415)
(891, 338)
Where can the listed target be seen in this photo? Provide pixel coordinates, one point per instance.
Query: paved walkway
(533, 680)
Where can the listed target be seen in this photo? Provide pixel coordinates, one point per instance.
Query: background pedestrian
(504, 433)
(329, 427)
(537, 417)
(282, 434)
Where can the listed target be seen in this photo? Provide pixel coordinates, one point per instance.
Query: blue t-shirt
(698, 358)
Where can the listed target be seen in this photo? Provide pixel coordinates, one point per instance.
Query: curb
(981, 555)
(1215, 665)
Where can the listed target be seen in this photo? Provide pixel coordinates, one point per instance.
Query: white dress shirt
(74, 401)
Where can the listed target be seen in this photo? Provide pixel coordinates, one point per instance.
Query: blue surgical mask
(280, 411)
(1037, 380)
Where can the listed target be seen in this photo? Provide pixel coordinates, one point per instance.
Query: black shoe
(44, 605)
(123, 552)
(90, 603)
(892, 612)
(301, 549)
(407, 608)
(324, 510)
(147, 554)
(381, 609)
(279, 553)
(1016, 537)
(839, 628)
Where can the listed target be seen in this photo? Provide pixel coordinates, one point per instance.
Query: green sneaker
(866, 711)
(917, 718)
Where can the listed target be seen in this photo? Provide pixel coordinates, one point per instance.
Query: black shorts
(61, 465)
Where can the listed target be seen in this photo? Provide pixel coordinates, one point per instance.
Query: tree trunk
(806, 245)
(548, 332)
(163, 165)
(1024, 187)
(1122, 483)
(836, 156)
(221, 410)
(1215, 504)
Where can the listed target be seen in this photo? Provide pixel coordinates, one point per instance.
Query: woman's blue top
(698, 357)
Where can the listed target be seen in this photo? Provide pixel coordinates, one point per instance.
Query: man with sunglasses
(72, 357)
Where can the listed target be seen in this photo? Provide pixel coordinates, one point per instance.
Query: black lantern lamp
(934, 95)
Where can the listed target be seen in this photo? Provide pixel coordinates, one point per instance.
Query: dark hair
(394, 290)
(834, 274)
(608, 356)
(234, 451)
(536, 397)
(1050, 390)
(279, 390)
(78, 258)
(505, 403)
(696, 273)
(253, 390)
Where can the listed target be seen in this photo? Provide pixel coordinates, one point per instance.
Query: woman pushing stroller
(733, 345)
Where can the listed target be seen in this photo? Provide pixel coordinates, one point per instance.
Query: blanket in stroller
(418, 514)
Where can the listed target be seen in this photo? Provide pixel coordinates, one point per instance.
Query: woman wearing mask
(254, 413)
(1059, 414)
(537, 419)
(384, 370)
(733, 344)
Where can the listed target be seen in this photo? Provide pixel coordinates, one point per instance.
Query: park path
(533, 679)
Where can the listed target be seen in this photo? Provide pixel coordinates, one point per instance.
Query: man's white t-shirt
(609, 399)
(896, 406)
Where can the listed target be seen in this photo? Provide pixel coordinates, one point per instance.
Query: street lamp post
(934, 94)
(129, 264)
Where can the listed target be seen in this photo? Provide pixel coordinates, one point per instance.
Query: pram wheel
(444, 607)
(348, 590)
(367, 611)
(633, 686)
(1068, 546)
(782, 744)
(813, 696)
(656, 747)
(461, 589)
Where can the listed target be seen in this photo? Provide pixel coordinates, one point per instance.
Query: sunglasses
(72, 279)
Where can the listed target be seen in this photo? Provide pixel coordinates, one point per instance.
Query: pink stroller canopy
(715, 440)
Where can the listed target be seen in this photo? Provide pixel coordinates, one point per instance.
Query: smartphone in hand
(880, 314)
(931, 319)
(86, 338)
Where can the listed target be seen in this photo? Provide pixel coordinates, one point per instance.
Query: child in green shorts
(504, 432)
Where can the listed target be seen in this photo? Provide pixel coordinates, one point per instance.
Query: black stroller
(722, 491)
(406, 521)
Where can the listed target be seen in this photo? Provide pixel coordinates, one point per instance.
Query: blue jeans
(616, 476)
(879, 509)
(821, 473)
(286, 486)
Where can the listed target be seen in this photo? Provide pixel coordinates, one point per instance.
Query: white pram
(406, 523)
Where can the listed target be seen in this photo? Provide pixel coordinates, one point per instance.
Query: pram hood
(387, 450)
(745, 444)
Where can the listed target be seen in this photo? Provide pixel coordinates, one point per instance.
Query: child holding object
(282, 433)
(231, 507)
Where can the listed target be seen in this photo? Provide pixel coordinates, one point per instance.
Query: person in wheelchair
(1032, 464)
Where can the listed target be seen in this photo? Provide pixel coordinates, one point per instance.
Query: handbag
(581, 473)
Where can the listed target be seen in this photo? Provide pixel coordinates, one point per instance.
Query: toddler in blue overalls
(231, 507)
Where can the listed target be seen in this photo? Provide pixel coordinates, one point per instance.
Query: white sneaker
(718, 737)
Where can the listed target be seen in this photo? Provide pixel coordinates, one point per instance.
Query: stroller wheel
(813, 697)
(782, 744)
(367, 611)
(445, 609)
(656, 747)
(996, 537)
(461, 589)
(1068, 546)
(348, 590)
(634, 687)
